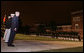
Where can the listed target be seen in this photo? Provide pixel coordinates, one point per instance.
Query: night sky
(33, 12)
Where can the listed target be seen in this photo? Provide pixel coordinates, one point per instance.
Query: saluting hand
(15, 29)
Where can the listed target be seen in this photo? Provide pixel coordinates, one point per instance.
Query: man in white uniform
(8, 28)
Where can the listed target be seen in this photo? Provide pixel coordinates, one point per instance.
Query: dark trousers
(11, 38)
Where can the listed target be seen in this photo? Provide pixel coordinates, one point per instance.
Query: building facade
(77, 22)
(65, 28)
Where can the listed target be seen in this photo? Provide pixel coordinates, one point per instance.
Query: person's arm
(16, 24)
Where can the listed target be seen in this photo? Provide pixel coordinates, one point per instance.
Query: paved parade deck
(33, 46)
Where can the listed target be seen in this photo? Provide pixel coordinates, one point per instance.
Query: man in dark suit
(14, 27)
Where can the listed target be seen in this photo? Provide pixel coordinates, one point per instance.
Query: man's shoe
(11, 45)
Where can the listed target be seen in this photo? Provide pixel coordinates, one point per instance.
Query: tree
(53, 28)
(40, 29)
(25, 29)
(20, 26)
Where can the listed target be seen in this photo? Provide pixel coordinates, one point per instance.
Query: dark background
(34, 12)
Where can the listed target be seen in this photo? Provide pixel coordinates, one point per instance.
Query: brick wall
(78, 22)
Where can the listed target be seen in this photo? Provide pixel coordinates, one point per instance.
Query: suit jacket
(14, 22)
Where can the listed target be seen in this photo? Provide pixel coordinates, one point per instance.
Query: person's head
(12, 15)
(9, 17)
(17, 13)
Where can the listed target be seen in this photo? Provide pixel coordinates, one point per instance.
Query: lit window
(76, 18)
(76, 26)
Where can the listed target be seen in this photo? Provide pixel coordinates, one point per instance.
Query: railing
(68, 35)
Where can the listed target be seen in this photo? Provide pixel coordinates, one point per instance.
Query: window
(76, 18)
(76, 26)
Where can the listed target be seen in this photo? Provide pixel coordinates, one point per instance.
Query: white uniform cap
(12, 15)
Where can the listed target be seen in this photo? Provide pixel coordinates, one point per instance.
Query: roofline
(77, 12)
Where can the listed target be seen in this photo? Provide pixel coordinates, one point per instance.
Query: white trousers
(7, 35)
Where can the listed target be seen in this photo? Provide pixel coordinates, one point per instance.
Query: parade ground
(42, 26)
(37, 45)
